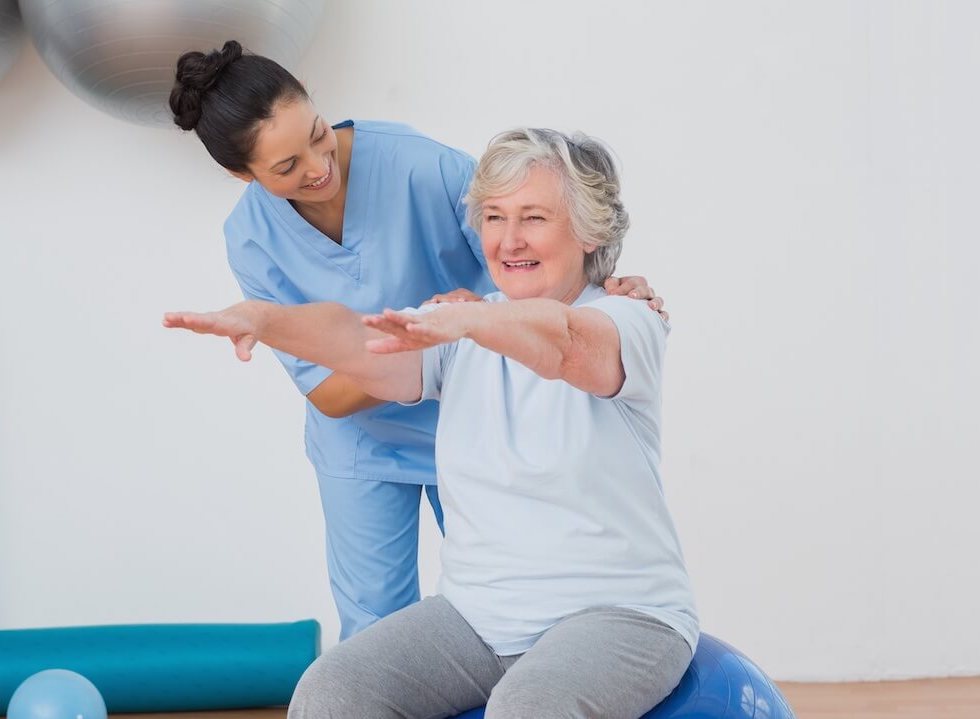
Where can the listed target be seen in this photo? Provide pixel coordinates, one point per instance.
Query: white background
(803, 182)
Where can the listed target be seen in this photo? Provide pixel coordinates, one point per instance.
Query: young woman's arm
(326, 333)
(341, 396)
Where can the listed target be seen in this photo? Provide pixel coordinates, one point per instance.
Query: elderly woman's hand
(637, 288)
(239, 323)
(409, 332)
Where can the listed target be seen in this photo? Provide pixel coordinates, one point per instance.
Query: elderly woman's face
(528, 242)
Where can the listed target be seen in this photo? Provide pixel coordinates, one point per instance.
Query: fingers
(635, 287)
(657, 305)
(390, 321)
(190, 321)
(460, 295)
(642, 293)
(244, 346)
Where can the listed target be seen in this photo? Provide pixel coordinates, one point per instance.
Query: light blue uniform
(405, 239)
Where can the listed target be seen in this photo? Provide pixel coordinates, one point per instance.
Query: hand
(460, 295)
(239, 323)
(411, 332)
(637, 288)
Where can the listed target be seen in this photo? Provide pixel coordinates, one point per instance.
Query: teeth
(320, 181)
(525, 263)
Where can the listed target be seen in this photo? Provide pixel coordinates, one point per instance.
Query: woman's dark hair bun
(197, 72)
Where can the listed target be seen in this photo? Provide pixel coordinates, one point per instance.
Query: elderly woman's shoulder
(634, 314)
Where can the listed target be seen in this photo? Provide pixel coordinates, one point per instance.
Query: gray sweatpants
(425, 661)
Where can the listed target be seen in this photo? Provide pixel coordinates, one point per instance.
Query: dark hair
(224, 94)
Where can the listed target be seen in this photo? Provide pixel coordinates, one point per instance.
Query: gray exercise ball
(11, 35)
(120, 55)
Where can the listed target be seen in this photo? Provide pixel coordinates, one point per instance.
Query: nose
(316, 166)
(513, 238)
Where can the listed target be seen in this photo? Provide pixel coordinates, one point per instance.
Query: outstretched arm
(577, 345)
(327, 333)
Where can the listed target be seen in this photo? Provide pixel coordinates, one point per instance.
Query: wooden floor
(919, 699)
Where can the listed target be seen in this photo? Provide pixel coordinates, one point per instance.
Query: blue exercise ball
(56, 694)
(721, 683)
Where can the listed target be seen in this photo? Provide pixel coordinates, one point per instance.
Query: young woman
(369, 214)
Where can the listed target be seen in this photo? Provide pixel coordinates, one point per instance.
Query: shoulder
(398, 133)
(401, 143)
(631, 317)
(250, 218)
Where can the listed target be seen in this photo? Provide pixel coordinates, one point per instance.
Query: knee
(533, 701)
(328, 690)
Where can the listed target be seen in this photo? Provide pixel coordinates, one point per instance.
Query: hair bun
(197, 73)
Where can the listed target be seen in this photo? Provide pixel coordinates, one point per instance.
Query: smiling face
(528, 242)
(295, 155)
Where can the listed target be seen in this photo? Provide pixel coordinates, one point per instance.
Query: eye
(493, 218)
(292, 166)
(534, 218)
(321, 137)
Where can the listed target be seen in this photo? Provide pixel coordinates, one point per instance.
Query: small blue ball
(56, 694)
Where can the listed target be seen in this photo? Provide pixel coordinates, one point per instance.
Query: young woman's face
(295, 155)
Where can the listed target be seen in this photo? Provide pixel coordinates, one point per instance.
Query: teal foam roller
(168, 667)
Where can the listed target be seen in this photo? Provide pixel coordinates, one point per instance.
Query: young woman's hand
(239, 323)
(637, 288)
(460, 295)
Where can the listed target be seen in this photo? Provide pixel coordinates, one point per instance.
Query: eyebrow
(293, 157)
(522, 207)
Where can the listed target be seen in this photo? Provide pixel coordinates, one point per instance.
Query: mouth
(320, 181)
(520, 265)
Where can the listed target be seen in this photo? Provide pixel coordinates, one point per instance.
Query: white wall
(801, 177)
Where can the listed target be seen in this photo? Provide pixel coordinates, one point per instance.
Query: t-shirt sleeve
(305, 375)
(642, 342)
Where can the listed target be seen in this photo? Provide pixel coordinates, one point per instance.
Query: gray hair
(590, 187)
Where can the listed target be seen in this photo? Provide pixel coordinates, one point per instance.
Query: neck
(572, 294)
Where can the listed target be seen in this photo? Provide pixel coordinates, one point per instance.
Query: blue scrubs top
(405, 239)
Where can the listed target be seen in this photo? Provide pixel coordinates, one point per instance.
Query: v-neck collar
(344, 256)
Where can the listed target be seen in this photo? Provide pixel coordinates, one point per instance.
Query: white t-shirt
(552, 496)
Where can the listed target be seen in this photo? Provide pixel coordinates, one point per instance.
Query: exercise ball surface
(721, 683)
(120, 55)
(56, 694)
(11, 35)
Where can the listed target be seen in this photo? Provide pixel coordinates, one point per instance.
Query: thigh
(603, 662)
(372, 548)
(424, 661)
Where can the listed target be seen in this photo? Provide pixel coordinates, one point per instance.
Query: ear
(589, 249)
(243, 176)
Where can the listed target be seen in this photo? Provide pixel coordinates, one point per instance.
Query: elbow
(334, 410)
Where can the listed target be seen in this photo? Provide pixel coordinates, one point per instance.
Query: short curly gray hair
(590, 187)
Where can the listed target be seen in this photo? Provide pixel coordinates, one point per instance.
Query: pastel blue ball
(56, 694)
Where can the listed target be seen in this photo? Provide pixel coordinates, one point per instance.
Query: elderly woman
(563, 588)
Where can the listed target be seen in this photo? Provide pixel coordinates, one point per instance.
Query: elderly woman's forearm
(579, 346)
